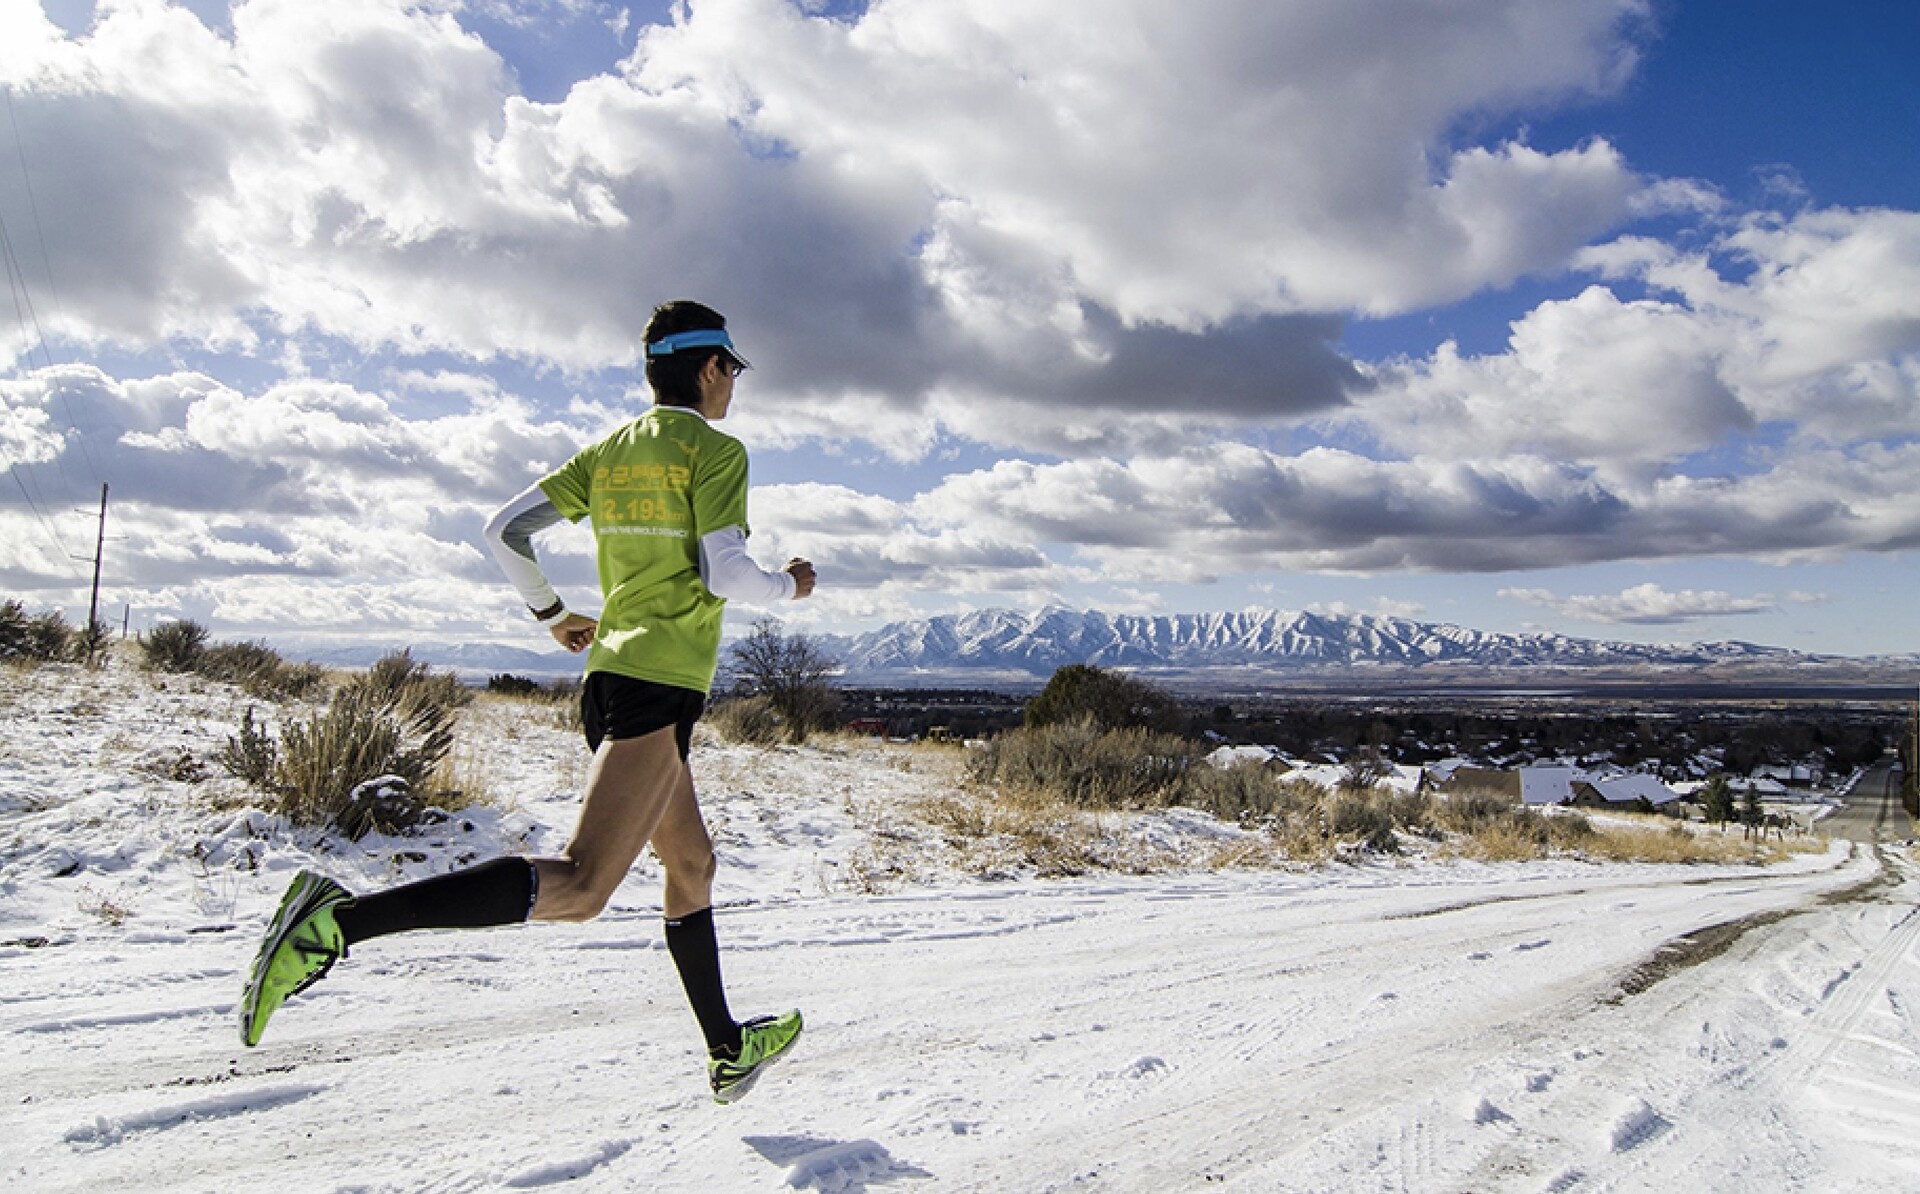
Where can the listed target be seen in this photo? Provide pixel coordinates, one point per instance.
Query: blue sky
(1596, 317)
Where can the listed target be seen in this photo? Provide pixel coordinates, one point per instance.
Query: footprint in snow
(1486, 1111)
(829, 1166)
(105, 1132)
(1636, 1125)
(1140, 1068)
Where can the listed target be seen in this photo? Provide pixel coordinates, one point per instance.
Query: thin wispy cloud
(1645, 605)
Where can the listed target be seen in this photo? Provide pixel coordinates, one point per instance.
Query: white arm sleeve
(510, 537)
(729, 572)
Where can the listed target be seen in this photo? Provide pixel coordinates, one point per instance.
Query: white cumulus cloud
(1646, 605)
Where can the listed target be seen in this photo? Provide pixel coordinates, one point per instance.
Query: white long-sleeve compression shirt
(725, 567)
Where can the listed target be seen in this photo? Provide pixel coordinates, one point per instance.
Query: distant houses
(1535, 787)
(1564, 784)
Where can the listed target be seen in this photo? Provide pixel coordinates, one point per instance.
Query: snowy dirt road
(1407, 1024)
(1531, 1028)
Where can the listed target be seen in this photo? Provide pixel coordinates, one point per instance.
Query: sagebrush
(45, 637)
(397, 719)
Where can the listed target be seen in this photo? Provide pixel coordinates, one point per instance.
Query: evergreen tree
(1718, 797)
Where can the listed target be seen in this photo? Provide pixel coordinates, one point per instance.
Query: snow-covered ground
(1396, 1026)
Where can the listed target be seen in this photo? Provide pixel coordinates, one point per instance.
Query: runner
(667, 494)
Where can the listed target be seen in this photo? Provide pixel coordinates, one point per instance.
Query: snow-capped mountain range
(1041, 642)
(1009, 643)
(1009, 647)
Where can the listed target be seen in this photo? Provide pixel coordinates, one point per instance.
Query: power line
(26, 292)
(60, 549)
(17, 277)
(33, 209)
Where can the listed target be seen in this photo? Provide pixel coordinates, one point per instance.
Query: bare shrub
(13, 629)
(113, 909)
(407, 684)
(174, 646)
(92, 644)
(790, 671)
(1244, 792)
(508, 684)
(749, 721)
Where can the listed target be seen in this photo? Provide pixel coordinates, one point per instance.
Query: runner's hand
(802, 573)
(574, 632)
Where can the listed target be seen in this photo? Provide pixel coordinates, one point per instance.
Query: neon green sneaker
(301, 945)
(763, 1041)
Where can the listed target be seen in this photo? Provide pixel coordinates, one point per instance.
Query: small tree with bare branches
(791, 671)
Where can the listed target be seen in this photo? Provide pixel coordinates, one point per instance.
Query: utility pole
(99, 551)
(99, 554)
(1910, 798)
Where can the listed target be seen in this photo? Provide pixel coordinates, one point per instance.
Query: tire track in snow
(1693, 1148)
(1325, 1087)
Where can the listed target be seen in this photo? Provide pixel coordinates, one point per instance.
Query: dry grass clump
(1031, 832)
(560, 697)
(182, 646)
(1024, 786)
(1083, 765)
(1077, 765)
(747, 721)
(1491, 828)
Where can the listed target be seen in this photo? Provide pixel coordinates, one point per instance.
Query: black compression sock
(500, 892)
(696, 954)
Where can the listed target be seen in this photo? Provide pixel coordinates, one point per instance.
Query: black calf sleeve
(500, 892)
(696, 955)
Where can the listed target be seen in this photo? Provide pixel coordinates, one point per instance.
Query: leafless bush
(790, 671)
(253, 756)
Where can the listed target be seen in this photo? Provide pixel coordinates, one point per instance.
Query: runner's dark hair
(673, 376)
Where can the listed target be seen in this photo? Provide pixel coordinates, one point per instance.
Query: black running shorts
(615, 706)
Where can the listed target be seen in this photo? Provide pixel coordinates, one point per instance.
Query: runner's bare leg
(630, 785)
(686, 851)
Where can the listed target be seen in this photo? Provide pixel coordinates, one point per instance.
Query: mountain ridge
(1010, 647)
(1282, 642)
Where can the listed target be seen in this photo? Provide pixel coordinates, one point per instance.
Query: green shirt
(653, 488)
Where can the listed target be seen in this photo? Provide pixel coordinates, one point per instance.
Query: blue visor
(666, 346)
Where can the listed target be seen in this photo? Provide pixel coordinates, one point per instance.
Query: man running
(667, 494)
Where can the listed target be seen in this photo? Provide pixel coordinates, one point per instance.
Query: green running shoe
(763, 1041)
(301, 945)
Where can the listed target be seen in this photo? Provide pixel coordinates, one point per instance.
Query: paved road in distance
(1872, 813)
